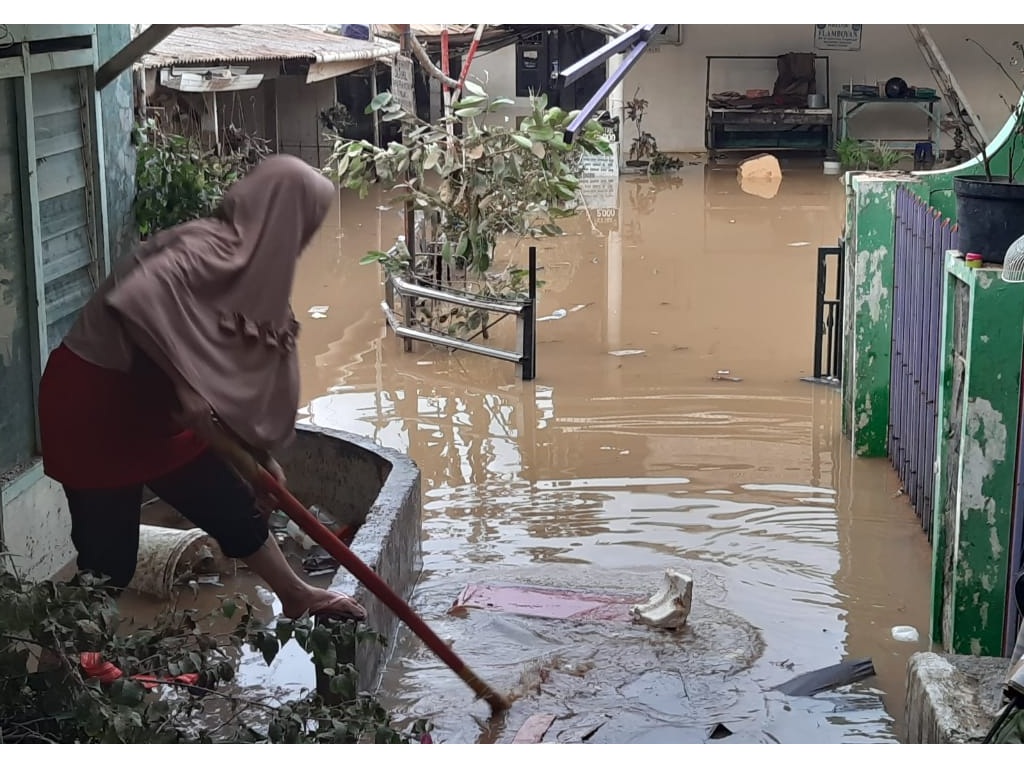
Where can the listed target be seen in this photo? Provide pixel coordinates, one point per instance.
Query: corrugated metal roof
(261, 42)
(423, 30)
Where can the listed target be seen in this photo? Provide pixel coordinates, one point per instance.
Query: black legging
(105, 522)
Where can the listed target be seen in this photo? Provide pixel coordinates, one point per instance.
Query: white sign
(402, 85)
(599, 184)
(837, 37)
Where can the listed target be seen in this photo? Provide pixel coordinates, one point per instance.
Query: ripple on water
(762, 550)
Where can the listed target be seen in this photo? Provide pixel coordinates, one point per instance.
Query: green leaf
(380, 100)
(229, 607)
(127, 692)
(474, 89)
(268, 646)
(469, 101)
(541, 133)
(521, 140)
(469, 112)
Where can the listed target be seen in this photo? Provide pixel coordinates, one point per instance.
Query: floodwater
(629, 455)
(626, 457)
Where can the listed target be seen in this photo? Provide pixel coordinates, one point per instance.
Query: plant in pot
(643, 151)
(852, 154)
(478, 182)
(990, 205)
(644, 146)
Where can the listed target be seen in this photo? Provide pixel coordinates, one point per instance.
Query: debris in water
(799, 244)
(293, 530)
(319, 311)
(719, 731)
(905, 634)
(725, 376)
(670, 606)
(819, 680)
(545, 602)
(213, 579)
(578, 307)
(533, 730)
(319, 563)
(558, 314)
(583, 731)
(265, 595)
(626, 352)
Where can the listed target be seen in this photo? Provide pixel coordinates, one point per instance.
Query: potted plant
(854, 155)
(644, 145)
(643, 151)
(990, 206)
(476, 180)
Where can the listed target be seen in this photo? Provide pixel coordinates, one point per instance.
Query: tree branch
(424, 59)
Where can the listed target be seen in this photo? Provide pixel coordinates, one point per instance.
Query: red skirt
(102, 428)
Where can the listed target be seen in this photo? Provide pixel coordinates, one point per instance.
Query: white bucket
(832, 167)
(165, 554)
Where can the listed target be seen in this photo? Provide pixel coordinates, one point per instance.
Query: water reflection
(610, 468)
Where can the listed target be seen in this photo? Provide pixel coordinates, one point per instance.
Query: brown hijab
(210, 298)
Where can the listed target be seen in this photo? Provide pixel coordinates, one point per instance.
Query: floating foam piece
(670, 606)
(904, 634)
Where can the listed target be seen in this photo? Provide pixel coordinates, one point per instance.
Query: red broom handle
(244, 462)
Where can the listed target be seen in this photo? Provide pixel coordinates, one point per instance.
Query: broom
(262, 480)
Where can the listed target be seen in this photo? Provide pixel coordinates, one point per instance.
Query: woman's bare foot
(297, 597)
(322, 603)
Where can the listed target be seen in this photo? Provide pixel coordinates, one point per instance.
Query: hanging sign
(837, 37)
(402, 85)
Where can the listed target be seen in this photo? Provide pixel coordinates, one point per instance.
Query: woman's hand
(196, 414)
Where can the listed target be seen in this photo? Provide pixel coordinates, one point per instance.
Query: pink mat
(547, 603)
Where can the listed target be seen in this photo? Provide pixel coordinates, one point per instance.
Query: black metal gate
(828, 316)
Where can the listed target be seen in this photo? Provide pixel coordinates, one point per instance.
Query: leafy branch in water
(47, 695)
(480, 180)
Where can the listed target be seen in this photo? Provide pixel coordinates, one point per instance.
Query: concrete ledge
(952, 699)
(360, 482)
(35, 530)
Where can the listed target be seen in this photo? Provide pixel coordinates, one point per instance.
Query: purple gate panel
(922, 239)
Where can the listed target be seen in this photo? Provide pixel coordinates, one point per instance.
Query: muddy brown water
(626, 457)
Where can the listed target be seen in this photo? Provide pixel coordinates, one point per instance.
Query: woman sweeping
(191, 333)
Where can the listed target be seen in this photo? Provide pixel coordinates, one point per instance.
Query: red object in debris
(548, 603)
(93, 665)
(425, 739)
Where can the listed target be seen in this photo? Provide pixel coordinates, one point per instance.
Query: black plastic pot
(989, 215)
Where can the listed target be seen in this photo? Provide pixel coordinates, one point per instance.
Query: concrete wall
(34, 524)
(496, 72)
(672, 78)
(117, 106)
(359, 481)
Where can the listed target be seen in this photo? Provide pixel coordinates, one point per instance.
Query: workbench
(849, 104)
(766, 127)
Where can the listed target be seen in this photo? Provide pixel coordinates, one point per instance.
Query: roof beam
(149, 38)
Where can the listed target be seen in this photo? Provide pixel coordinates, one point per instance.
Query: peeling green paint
(969, 588)
(871, 201)
(870, 225)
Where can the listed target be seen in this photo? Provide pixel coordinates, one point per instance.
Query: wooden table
(849, 104)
